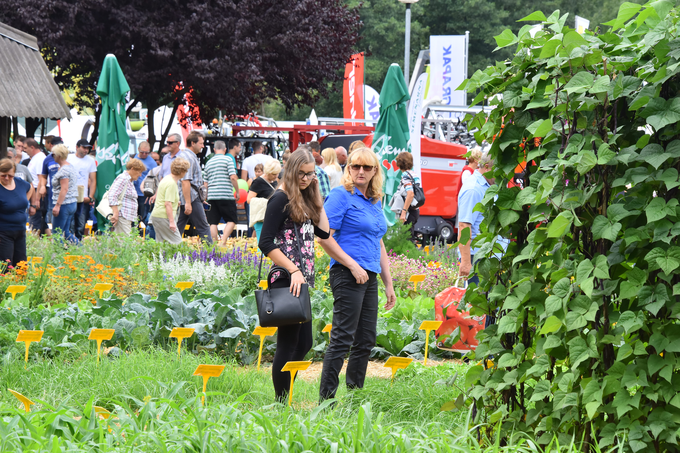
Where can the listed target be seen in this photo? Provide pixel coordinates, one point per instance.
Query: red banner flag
(353, 89)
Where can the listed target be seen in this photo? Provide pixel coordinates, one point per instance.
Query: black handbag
(418, 193)
(276, 305)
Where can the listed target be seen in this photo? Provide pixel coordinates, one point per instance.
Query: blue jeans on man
(80, 218)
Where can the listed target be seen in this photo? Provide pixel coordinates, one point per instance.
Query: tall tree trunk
(97, 117)
(150, 124)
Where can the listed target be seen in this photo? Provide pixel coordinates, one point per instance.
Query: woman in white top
(473, 162)
(332, 167)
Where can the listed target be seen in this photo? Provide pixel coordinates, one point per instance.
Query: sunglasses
(7, 176)
(171, 143)
(366, 168)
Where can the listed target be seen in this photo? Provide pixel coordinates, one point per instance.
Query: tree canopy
(232, 54)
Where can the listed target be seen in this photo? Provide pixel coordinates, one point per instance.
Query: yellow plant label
(327, 328)
(102, 287)
(263, 284)
(182, 332)
(30, 335)
(266, 331)
(415, 279)
(25, 401)
(35, 259)
(430, 325)
(293, 368)
(184, 285)
(101, 334)
(397, 363)
(103, 413)
(209, 370)
(15, 289)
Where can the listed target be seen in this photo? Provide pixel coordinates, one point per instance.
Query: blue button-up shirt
(359, 226)
(471, 193)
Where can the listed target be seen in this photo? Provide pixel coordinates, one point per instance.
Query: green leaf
(626, 11)
(605, 154)
(541, 390)
(668, 263)
(587, 161)
(553, 304)
(562, 288)
(601, 267)
(548, 49)
(579, 83)
(560, 224)
(551, 342)
(601, 85)
(574, 39)
(656, 210)
(472, 376)
(591, 409)
(583, 271)
(604, 229)
(587, 286)
(507, 217)
(660, 113)
(505, 39)
(536, 16)
(540, 128)
(552, 324)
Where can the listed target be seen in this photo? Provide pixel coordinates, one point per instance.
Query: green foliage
(587, 344)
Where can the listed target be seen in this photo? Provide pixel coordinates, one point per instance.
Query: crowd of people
(332, 194)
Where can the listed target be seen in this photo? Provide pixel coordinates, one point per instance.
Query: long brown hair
(302, 204)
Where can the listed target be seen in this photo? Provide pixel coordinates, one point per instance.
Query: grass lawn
(155, 402)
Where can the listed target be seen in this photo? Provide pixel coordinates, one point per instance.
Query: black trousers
(292, 344)
(355, 318)
(198, 220)
(13, 246)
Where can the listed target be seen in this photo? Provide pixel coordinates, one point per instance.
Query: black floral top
(278, 231)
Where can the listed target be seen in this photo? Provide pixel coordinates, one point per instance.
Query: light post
(407, 38)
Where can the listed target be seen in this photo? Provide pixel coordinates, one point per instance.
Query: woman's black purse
(276, 305)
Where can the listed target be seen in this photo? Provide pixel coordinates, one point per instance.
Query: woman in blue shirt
(15, 194)
(358, 255)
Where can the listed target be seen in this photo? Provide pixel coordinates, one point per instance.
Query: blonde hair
(331, 158)
(302, 204)
(364, 156)
(7, 164)
(135, 165)
(355, 145)
(475, 155)
(272, 167)
(60, 151)
(179, 166)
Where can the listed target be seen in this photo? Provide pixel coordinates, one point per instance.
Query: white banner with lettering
(371, 105)
(415, 114)
(448, 69)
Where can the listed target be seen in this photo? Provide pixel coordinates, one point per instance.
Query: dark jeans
(80, 218)
(198, 220)
(412, 219)
(63, 221)
(292, 345)
(38, 221)
(12, 247)
(355, 317)
(142, 207)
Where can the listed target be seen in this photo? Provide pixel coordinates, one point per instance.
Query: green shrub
(587, 342)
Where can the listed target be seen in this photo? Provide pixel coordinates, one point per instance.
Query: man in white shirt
(248, 168)
(87, 177)
(38, 220)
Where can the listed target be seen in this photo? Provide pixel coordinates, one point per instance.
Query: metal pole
(407, 46)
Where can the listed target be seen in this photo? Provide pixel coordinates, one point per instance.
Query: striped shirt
(217, 174)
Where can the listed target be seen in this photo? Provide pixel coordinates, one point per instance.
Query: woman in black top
(263, 187)
(15, 194)
(295, 211)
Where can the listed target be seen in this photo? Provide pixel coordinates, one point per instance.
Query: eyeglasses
(366, 168)
(144, 152)
(302, 175)
(171, 143)
(7, 175)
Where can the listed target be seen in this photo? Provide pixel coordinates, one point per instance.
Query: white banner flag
(581, 24)
(371, 105)
(448, 69)
(415, 113)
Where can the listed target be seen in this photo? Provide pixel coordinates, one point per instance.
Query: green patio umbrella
(113, 140)
(391, 133)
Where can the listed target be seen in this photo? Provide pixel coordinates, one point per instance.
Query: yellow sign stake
(100, 335)
(102, 287)
(181, 333)
(294, 367)
(397, 363)
(103, 413)
(263, 284)
(26, 402)
(184, 285)
(15, 289)
(208, 371)
(29, 336)
(417, 278)
(263, 332)
(427, 326)
(328, 329)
